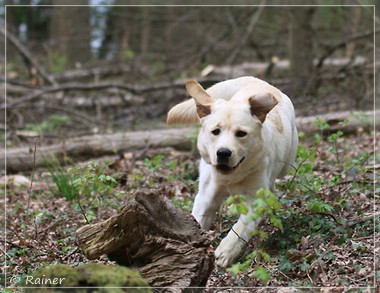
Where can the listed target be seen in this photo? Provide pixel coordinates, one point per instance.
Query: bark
(86, 147)
(301, 41)
(165, 244)
(300, 49)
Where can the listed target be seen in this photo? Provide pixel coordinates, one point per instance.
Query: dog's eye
(216, 131)
(240, 133)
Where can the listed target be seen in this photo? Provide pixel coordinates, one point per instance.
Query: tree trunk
(353, 18)
(377, 54)
(301, 53)
(145, 31)
(165, 244)
(70, 30)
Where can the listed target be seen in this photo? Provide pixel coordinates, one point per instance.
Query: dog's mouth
(225, 169)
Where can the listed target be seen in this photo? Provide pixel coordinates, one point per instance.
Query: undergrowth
(317, 220)
(310, 215)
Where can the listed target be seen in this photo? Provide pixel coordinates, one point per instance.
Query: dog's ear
(261, 104)
(202, 100)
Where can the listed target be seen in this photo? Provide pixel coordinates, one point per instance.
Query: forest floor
(329, 207)
(327, 229)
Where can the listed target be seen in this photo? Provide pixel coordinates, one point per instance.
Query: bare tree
(70, 30)
(300, 44)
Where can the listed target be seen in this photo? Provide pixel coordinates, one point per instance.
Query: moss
(115, 276)
(97, 276)
(62, 275)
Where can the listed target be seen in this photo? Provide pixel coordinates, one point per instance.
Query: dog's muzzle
(223, 156)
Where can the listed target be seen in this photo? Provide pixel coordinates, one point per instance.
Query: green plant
(308, 217)
(265, 205)
(54, 122)
(82, 183)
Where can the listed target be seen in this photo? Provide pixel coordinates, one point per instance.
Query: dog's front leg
(209, 198)
(232, 245)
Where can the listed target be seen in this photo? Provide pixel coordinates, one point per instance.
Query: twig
(5, 253)
(363, 219)
(286, 276)
(82, 210)
(317, 260)
(254, 19)
(84, 119)
(331, 216)
(28, 55)
(211, 44)
(71, 253)
(11, 243)
(296, 172)
(32, 177)
(311, 280)
(341, 45)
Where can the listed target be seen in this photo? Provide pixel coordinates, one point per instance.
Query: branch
(84, 119)
(364, 218)
(252, 23)
(332, 49)
(97, 86)
(28, 55)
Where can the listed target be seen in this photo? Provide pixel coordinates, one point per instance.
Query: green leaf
(285, 265)
(266, 257)
(242, 208)
(262, 274)
(276, 222)
(239, 268)
(304, 266)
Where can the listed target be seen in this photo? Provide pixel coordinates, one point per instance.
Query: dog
(248, 138)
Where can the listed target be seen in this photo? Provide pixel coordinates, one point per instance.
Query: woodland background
(80, 72)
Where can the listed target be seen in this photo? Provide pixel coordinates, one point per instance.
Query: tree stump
(165, 244)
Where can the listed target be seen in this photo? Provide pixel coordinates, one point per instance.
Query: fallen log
(260, 68)
(86, 147)
(162, 242)
(347, 121)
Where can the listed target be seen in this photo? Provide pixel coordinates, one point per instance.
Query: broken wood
(165, 244)
(86, 147)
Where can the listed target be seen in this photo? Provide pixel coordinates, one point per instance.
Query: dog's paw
(227, 251)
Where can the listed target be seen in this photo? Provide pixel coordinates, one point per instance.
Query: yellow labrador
(247, 140)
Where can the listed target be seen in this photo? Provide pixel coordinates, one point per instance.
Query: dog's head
(231, 130)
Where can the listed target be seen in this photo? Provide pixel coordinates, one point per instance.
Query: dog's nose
(223, 153)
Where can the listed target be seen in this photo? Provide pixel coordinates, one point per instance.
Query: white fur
(257, 159)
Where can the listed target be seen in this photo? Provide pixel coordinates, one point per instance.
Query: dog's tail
(183, 113)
